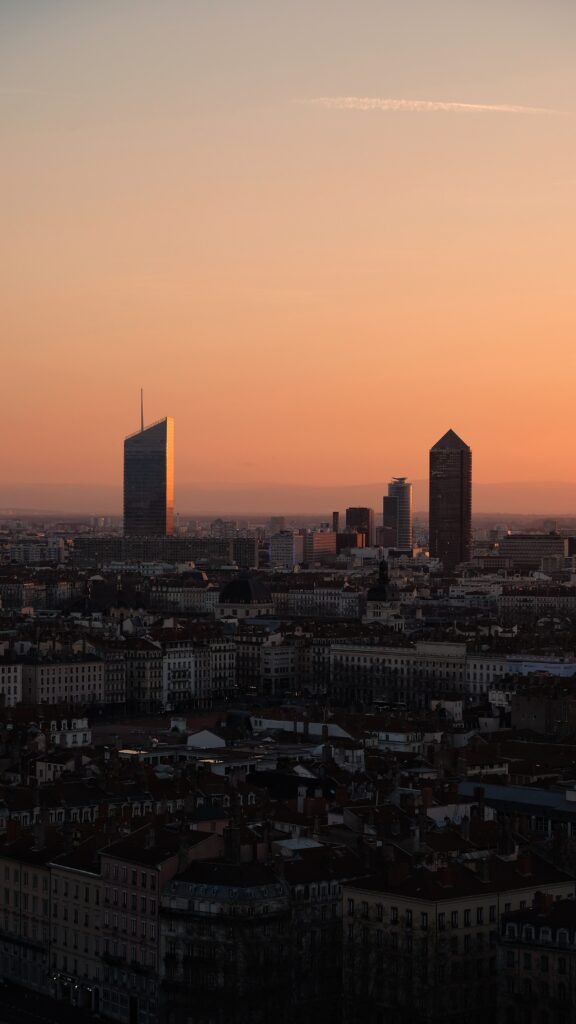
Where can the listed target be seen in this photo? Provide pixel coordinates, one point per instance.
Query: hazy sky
(307, 228)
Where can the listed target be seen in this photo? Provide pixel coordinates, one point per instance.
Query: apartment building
(25, 906)
(421, 944)
(184, 595)
(225, 944)
(10, 683)
(278, 667)
(76, 966)
(112, 655)
(76, 679)
(134, 871)
(144, 673)
(537, 963)
(365, 672)
(196, 671)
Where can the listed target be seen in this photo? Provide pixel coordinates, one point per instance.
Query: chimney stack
(232, 844)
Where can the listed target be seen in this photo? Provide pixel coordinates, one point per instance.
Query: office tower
(362, 520)
(335, 522)
(283, 549)
(397, 518)
(149, 481)
(450, 500)
(319, 545)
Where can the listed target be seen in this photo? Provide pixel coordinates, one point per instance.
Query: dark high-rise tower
(361, 520)
(450, 500)
(149, 481)
(397, 514)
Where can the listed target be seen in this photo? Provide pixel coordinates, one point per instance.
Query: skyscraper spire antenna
(142, 409)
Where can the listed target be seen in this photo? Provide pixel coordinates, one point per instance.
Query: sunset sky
(318, 233)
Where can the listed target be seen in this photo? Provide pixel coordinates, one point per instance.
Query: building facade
(421, 945)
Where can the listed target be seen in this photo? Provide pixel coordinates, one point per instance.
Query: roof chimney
(149, 838)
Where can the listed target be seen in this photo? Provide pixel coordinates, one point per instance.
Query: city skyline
(287, 709)
(188, 207)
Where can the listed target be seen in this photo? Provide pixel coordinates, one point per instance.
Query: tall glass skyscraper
(149, 481)
(397, 514)
(450, 500)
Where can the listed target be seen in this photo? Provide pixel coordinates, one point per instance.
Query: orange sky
(315, 292)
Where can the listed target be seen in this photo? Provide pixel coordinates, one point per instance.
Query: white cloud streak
(419, 106)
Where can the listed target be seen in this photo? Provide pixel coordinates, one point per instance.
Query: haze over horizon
(277, 499)
(319, 235)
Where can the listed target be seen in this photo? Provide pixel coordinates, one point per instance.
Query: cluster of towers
(149, 495)
(450, 511)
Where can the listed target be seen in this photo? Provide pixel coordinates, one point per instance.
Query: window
(441, 922)
(527, 960)
(350, 907)
(479, 915)
(492, 914)
(454, 918)
(379, 912)
(394, 915)
(424, 920)
(408, 918)
(466, 918)
(544, 963)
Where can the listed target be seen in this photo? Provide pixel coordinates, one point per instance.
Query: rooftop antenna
(142, 409)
